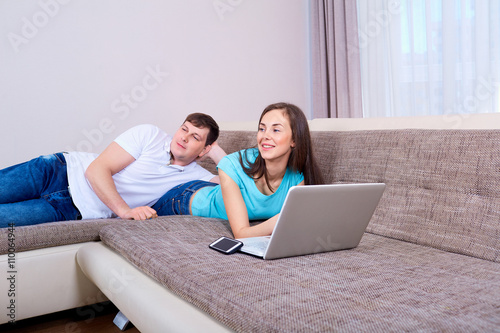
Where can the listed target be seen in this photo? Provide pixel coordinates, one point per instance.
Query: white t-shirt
(142, 182)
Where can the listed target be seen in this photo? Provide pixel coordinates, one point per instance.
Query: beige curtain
(335, 59)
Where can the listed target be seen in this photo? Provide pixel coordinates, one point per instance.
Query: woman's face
(274, 137)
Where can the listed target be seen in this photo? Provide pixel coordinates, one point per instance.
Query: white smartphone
(226, 245)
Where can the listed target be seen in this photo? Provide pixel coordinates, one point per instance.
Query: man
(128, 177)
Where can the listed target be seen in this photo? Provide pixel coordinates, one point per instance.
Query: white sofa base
(46, 280)
(146, 303)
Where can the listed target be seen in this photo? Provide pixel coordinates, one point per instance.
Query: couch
(429, 260)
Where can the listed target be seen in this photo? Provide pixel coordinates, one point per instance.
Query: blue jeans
(36, 192)
(176, 201)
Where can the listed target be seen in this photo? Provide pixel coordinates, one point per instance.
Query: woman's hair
(301, 158)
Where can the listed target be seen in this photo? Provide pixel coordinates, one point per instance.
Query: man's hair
(202, 120)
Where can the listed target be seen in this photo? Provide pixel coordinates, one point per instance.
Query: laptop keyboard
(260, 245)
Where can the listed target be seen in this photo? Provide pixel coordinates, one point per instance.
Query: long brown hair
(301, 158)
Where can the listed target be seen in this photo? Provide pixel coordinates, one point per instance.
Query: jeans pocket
(171, 211)
(178, 207)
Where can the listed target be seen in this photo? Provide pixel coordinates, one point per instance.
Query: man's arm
(216, 153)
(99, 174)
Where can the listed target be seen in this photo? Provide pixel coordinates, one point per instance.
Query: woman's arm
(237, 211)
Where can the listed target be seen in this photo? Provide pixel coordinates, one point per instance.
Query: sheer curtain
(336, 78)
(423, 57)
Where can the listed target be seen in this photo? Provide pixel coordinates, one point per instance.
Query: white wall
(75, 74)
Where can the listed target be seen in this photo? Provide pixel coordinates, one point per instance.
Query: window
(423, 57)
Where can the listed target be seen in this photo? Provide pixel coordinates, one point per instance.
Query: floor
(97, 318)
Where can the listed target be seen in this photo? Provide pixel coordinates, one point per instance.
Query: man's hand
(139, 213)
(216, 153)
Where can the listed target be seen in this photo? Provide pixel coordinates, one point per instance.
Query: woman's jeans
(176, 201)
(36, 192)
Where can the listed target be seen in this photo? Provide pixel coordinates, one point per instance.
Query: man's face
(188, 143)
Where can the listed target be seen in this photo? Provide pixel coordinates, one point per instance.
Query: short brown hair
(202, 120)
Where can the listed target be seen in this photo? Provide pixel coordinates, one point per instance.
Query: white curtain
(429, 57)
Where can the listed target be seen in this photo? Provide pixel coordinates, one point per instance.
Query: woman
(253, 182)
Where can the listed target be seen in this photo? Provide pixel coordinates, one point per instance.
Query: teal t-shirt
(208, 201)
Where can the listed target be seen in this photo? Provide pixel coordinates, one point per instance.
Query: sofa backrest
(443, 186)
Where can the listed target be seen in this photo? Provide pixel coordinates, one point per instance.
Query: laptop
(318, 218)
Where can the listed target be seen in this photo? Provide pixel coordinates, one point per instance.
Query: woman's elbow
(240, 232)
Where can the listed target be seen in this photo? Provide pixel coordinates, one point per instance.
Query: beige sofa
(55, 269)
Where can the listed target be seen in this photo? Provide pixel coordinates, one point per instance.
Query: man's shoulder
(142, 138)
(143, 133)
(146, 128)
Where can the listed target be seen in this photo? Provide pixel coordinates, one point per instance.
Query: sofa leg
(121, 321)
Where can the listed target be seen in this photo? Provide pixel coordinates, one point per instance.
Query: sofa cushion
(443, 186)
(53, 234)
(382, 285)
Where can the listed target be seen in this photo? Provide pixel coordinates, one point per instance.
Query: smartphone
(226, 245)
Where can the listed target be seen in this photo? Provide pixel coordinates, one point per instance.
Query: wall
(75, 74)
